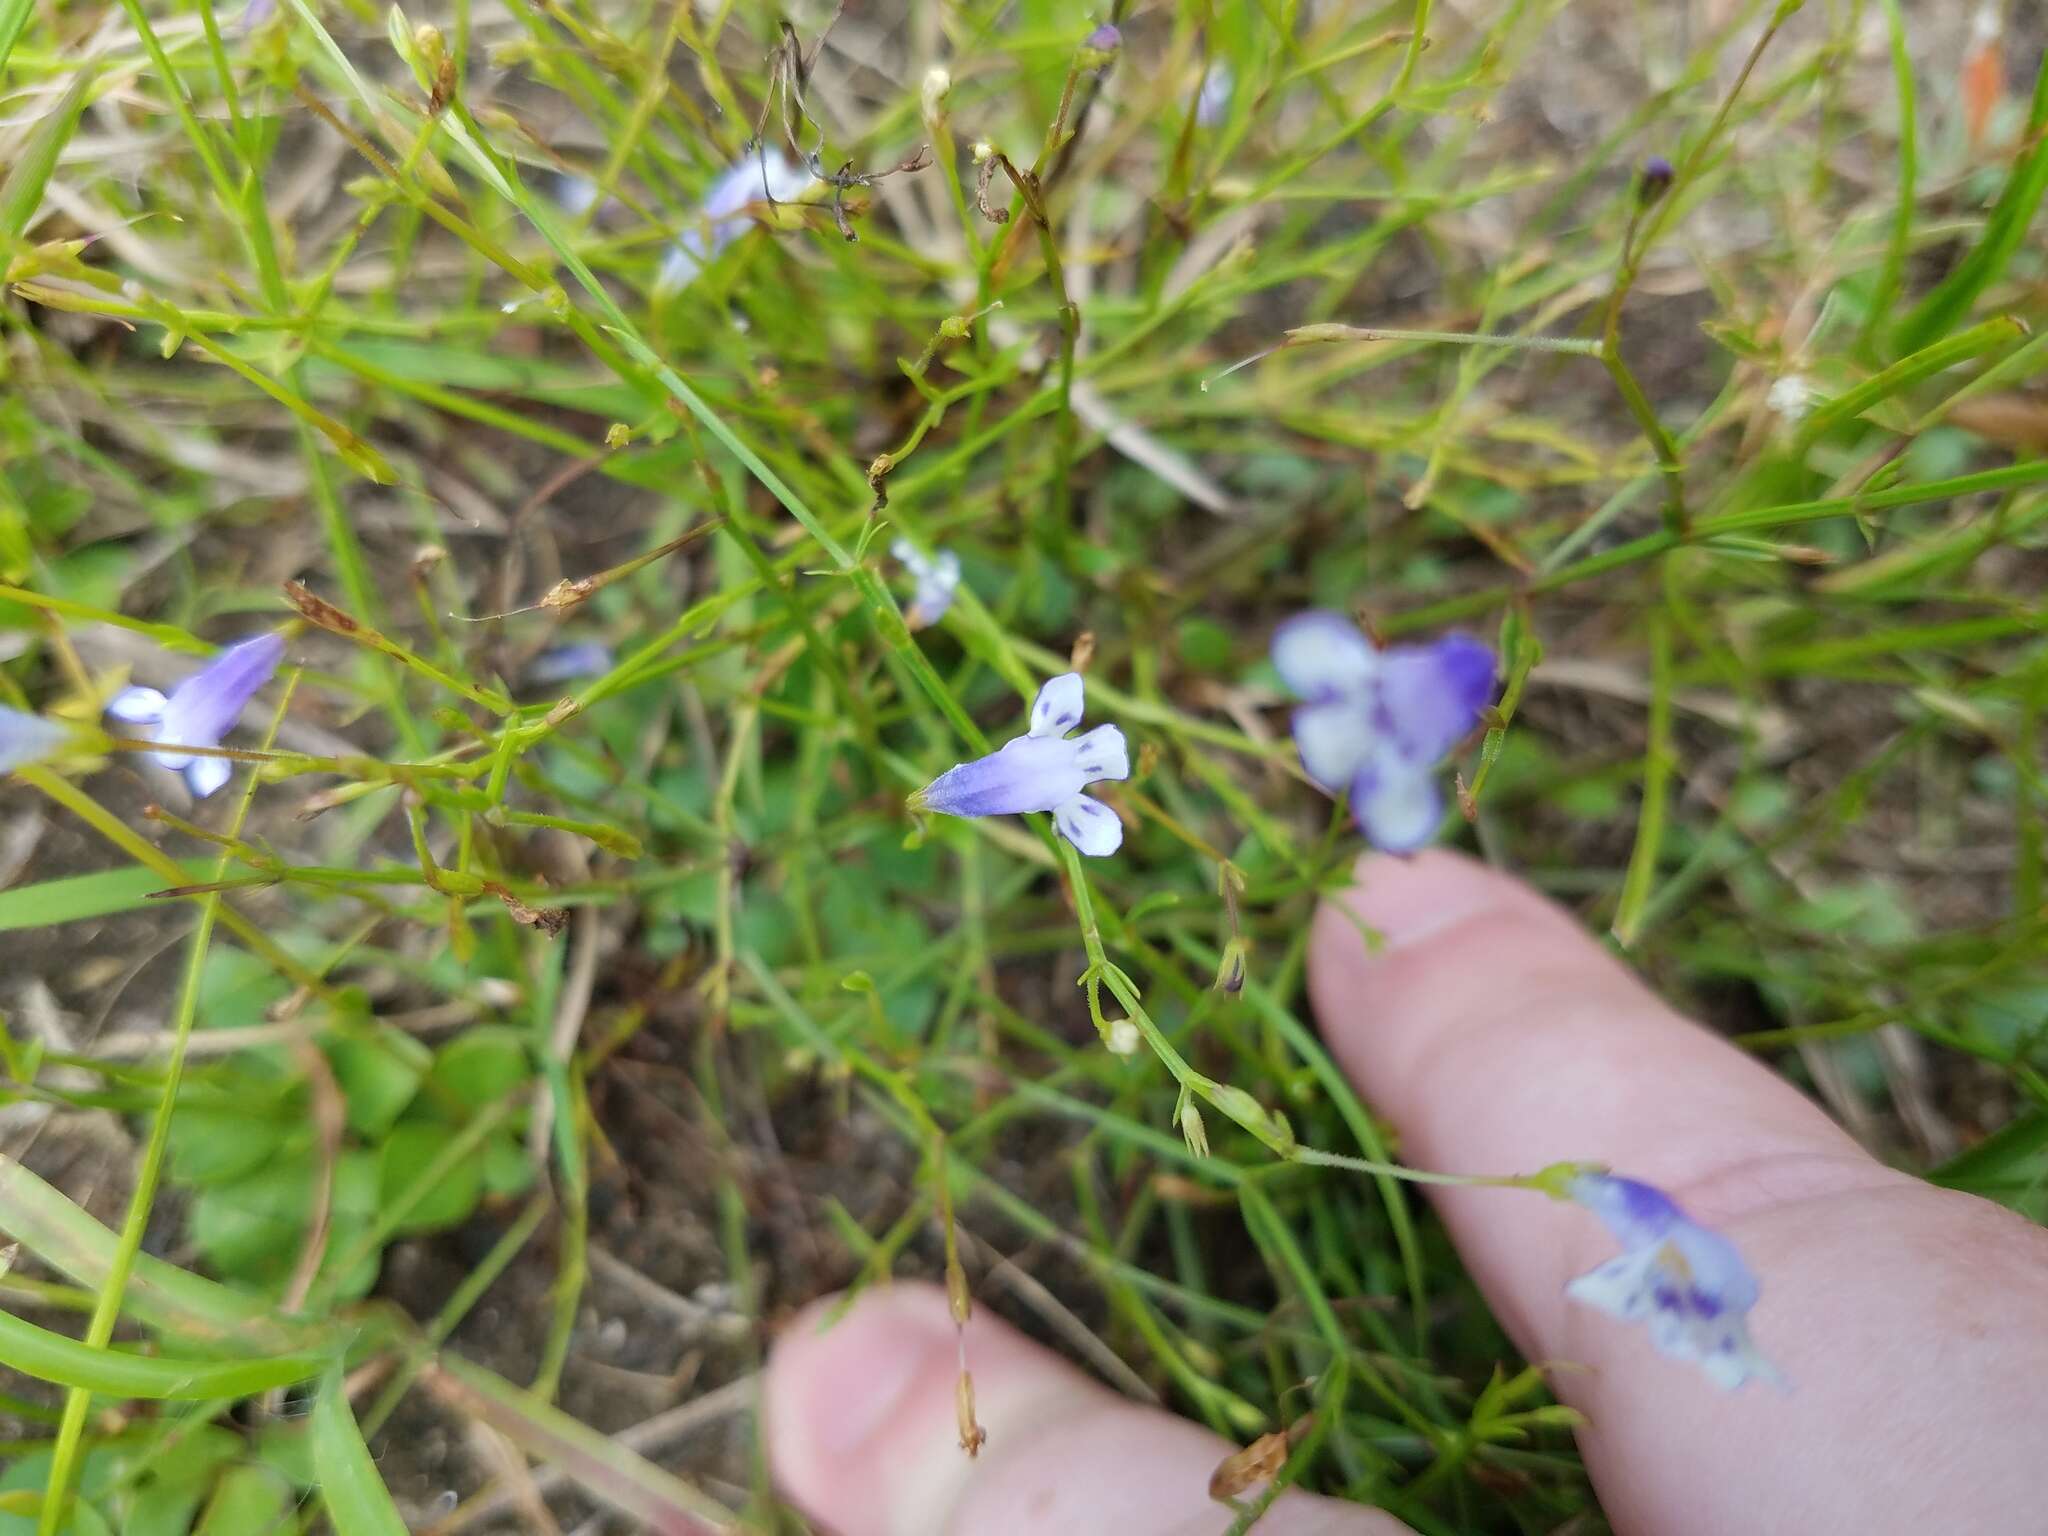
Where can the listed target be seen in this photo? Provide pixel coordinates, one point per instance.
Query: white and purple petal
(205, 706)
(1102, 754)
(204, 775)
(1685, 1281)
(26, 738)
(1335, 739)
(1058, 707)
(1090, 826)
(1321, 655)
(1430, 696)
(1397, 807)
(137, 706)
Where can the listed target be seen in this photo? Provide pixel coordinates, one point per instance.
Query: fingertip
(841, 1379)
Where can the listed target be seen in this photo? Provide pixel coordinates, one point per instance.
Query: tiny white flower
(1791, 397)
(1123, 1038)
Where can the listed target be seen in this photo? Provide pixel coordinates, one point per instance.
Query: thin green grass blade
(89, 1369)
(357, 1501)
(21, 193)
(2003, 234)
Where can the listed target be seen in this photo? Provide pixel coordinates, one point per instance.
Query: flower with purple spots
(1684, 1280)
(937, 577)
(201, 710)
(1042, 771)
(26, 739)
(1377, 722)
(760, 175)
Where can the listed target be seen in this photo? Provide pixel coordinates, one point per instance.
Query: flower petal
(26, 738)
(1397, 809)
(138, 706)
(206, 774)
(1635, 1212)
(1102, 754)
(1090, 826)
(1430, 696)
(205, 706)
(1320, 655)
(1335, 739)
(1058, 707)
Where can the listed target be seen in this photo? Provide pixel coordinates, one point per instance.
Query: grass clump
(510, 992)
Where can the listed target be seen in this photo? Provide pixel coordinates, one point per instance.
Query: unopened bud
(1099, 48)
(938, 84)
(1122, 1039)
(1192, 1129)
(1654, 180)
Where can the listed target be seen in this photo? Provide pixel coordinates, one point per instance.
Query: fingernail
(1407, 899)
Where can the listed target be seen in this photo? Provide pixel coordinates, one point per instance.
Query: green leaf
(479, 1067)
(54, 1357)
(407, 1157)
(246, 1499)
(358, 1503)
(379, 1070)
(49, 902)
(219, 1146)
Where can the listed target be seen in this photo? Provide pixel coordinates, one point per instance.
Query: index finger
(1498, 1037)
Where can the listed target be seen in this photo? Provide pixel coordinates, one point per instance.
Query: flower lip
(1686, 1282)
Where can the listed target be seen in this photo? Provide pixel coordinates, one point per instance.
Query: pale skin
(1497, 1037)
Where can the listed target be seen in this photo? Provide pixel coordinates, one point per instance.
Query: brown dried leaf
(1259, 1462)
(317, 610)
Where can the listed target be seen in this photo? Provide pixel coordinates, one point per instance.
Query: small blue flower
(26, 739)
(1685, 1280)
(1378, 722)
(1042, 771)
(1104, 39)
(757, 176)
(936, 579)
(566, 663)
(1212, 103)
(577, 194)
(202, 709)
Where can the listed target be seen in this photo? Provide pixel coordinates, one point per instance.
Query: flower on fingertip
(1377, 722)
(1686, 1282)
(937, 578)
(201, 710)
(1042, 770)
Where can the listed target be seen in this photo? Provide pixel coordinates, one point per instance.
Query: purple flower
(26, 739)
(1042, 771)
(1212, 102)
(202, 709)
(757, 176)
(936, 577)
(565, 663)
(1686, 1281)
(1104, 39)
(1377, 722)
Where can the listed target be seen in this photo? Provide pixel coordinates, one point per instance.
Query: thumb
(862, 1437)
